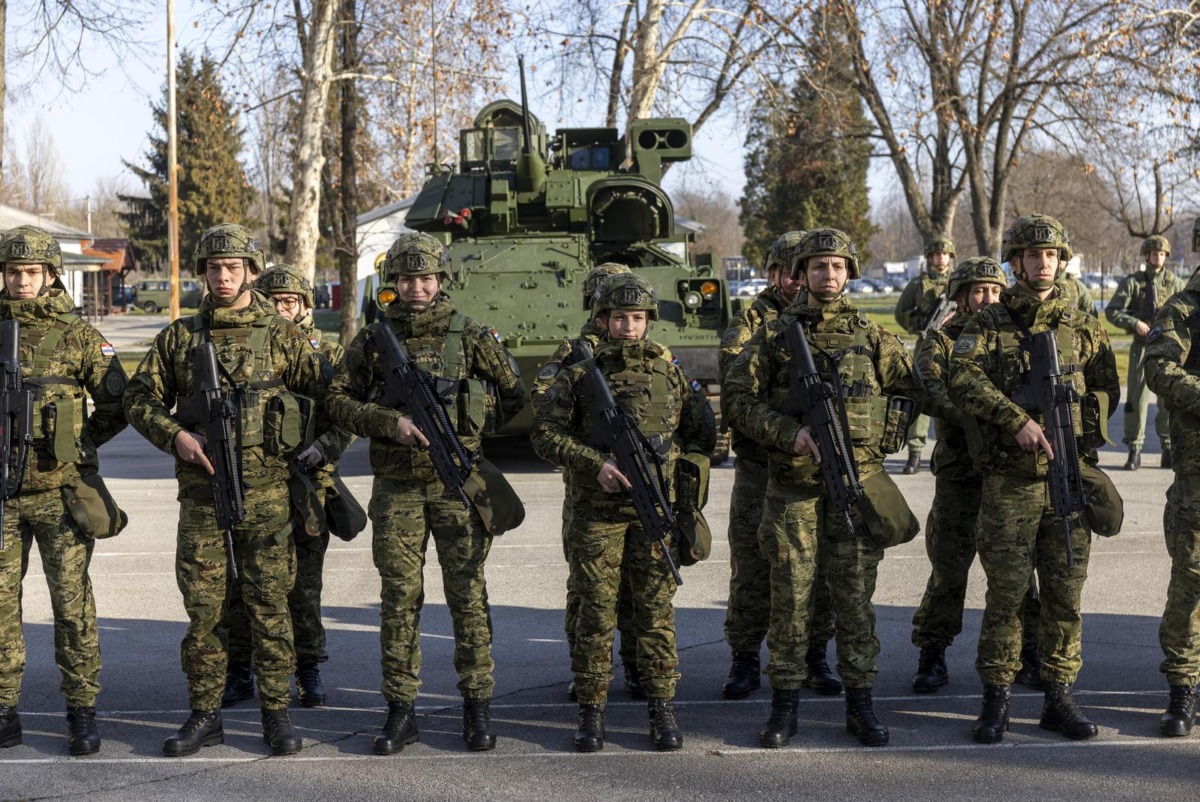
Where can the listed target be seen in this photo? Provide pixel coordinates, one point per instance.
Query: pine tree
(213, 187)
(807, 158)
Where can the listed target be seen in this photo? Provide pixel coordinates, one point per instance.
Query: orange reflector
(385, 297)
(709, 288)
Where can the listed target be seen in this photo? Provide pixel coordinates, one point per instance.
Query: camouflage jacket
(487, 387)
(335, 441)
(919, 300)
(1173, 371)
(766, 307)
(1076, 293)
(66, 359)
(988, 373)
(871, 365)
(1138, 299)
(590, 334)
(158, 401)
(951, 456)
(654, 391)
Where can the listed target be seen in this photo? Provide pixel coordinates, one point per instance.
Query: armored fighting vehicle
(526, 216)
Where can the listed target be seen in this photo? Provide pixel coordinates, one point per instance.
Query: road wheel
(149, 307)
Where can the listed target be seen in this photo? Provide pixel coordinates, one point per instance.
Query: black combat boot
(993, 719)
(1030, 674)
(10, 727)
(745, 675)
(590, 735)
(1176, 722)
(308, 685)
(633, 683)
(781, 726)
(477, 725)
(1166, 462)
(914, 462)
(1061, 714)
(861, 720)
(931, 670)
(820, 677)
(399, 730)
(1135, 460)
(203, 728)
(82, 736)
(239, 683)
(664, 729)
(279, 734)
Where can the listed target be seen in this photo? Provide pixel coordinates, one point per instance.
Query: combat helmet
(782, 250)
(939, 244)
(416, 254)
(626, 291)
(30, 245)
(825, 242)
(228, 240)
(591, 282)
(1154, 243)
(976, 270)
(1035, 231)
(285, 278)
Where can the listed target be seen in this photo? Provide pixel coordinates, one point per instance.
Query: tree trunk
(648, 64)
(304, 229)
(3, 81)
(347, 253)
(618, 67)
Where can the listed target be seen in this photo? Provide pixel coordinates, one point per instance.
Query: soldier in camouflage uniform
(1171, 371)
(265, 361)
(950, 531)
(564, 357)
(1018, 531)
(1072, 289)
(917, 303)
(796, 522)
(409, 501)
(749, 612)
(291, 294)
(63, 359)
(1134, 307)
(605, 532)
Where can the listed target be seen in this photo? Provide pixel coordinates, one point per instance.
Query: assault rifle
(821, 403)
(16, 417)
(637, 460)
(1054, 397)
(221, 418)
(946, 305)
(406, 384)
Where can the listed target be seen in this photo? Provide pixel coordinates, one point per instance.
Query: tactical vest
(648, 399)
(60, 407)
(1015, 364)
(445, 358)
(272, 417)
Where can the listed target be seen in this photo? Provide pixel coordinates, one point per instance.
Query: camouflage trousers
(1018, 533)
(749, 613)
(42, 517)
(1137, 403)
(266, 563)
(795, 528)
(603, 539)
(950, 544)
(304, 605)
(403, 515)
(628, 645)
(918, 433)
(1179, 631)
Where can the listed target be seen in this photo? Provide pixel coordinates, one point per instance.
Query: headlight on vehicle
(692, 301)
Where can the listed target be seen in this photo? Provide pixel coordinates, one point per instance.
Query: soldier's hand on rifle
(611, 479)
(408, 434)
(1141, 329)
(1031, 438)
(189, 447)
(311, 457)
(806, 446)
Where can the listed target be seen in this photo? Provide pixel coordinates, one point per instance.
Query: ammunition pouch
(1094, 420)
(691, 494)
(886, 515)
(344, 516)
(697, 537)
(499, 507)
(898, 417)
(59, 420)
(93, 508)
(287, 424)
(1104, 512)
(308, 513)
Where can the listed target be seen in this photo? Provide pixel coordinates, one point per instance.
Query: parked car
(752, 287)
(859, 286)
(155, 294)
(124, 295)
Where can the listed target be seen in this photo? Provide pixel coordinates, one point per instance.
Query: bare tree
(718, 213)
(45, 189)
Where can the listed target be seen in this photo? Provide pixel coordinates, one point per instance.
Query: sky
(109, 121)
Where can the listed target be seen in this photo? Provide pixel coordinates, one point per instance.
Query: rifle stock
(637, 460)
(222, 425)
